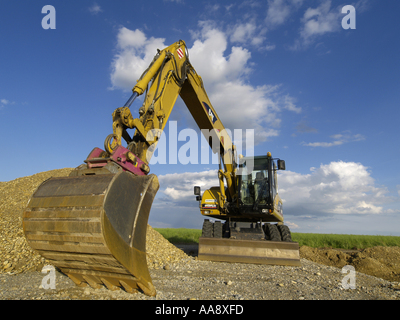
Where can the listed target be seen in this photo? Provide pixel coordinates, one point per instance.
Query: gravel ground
(192, 279)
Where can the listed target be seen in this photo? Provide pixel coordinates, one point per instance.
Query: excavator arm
(168, 76)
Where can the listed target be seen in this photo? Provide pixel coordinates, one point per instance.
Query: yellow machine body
(92, 224)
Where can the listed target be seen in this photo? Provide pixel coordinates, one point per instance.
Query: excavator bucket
(93, 228)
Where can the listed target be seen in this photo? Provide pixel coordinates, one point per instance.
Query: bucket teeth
(129, 286)
(111, 285)
(111, 282)
(93, 281)
(147, 289)
(77, 279)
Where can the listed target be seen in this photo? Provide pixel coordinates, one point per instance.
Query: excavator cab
(258, 186)
(254, 184)
(257, 198)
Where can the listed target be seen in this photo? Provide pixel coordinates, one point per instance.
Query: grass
(343, 241)
(181, 236)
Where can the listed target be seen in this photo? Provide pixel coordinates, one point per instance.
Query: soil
(172, 268)
(381, 262)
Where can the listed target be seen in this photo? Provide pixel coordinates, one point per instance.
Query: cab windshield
(254, 182)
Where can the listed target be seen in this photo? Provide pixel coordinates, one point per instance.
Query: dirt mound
(328, 257)
(381, 262)
(15, 254)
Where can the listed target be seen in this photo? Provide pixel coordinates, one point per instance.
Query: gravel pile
(160, 252)
(15, 254)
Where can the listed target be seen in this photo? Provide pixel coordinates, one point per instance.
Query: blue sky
(324, 99)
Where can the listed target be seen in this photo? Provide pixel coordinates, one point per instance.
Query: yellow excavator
(92, 224)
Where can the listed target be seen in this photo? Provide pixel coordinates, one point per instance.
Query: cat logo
(211, 114)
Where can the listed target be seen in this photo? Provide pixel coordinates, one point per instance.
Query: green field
(344, 241)
(180, 235)
(314, 240)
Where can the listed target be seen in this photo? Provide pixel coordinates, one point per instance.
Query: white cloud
(212, 8)
(224, 78)
(95, 9)
(260, 112)
(362, 5)
(291, 225)
(175, 205)
(280, 10)
(127, 38)
(5, 102)
(244, 33)
(135, 52)
(317, 22)
(336, 188)
(225, 72)
(229, 7)
(208, 57)
(338, 139)
(179, 186)
(289, 103)
(270, 47)
(323, 144)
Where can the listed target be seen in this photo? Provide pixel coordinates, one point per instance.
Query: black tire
(207, 231)
(272, 232)
(226, 231)
(285, 233)
(218, 229)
